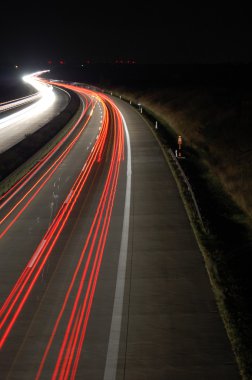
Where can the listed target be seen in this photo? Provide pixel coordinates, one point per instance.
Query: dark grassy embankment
(14, 157)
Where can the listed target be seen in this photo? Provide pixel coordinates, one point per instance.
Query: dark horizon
(142, 32)
(134, 76)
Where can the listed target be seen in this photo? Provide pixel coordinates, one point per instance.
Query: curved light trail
(46, 99)
(44, 178)
(8, 195)
(109, 145)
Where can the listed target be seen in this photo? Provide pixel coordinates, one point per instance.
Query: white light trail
(47, 98)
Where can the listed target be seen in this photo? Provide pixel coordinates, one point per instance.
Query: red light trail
(29, 175)
(45, 177)
(109, 145)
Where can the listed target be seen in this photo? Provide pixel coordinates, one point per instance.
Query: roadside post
(179, 146)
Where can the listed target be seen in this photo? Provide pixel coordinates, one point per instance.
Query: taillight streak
(30, 174)
(64, 212)
(90, 257)
(107, 196)
(47, 175)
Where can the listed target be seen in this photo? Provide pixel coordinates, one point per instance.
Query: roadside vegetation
(215, 124)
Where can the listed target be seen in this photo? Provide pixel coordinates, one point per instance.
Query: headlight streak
(86, 273)
(47, 98)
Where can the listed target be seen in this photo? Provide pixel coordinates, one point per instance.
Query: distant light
(16, 66)
(49, 62)
(82, 65)
(61, 62)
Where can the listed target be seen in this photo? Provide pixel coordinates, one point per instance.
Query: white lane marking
(55, 196)
(36, 253)
(67, 178)
(68, 197)
(116, 323)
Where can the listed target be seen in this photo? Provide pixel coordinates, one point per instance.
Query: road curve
(79, 297)
(15, 132)
(57, 222)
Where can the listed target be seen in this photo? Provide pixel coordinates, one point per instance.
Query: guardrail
(189, 187)
(157, 124)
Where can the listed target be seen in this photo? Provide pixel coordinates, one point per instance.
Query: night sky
(140, 31)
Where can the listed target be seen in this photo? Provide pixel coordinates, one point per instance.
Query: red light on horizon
(126, 61)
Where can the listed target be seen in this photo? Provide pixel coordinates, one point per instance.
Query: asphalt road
(16, 132)
(168, 327)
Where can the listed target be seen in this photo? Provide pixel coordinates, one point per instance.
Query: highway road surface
(100, 273)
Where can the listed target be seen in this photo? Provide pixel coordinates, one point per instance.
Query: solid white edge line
(115, 329)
